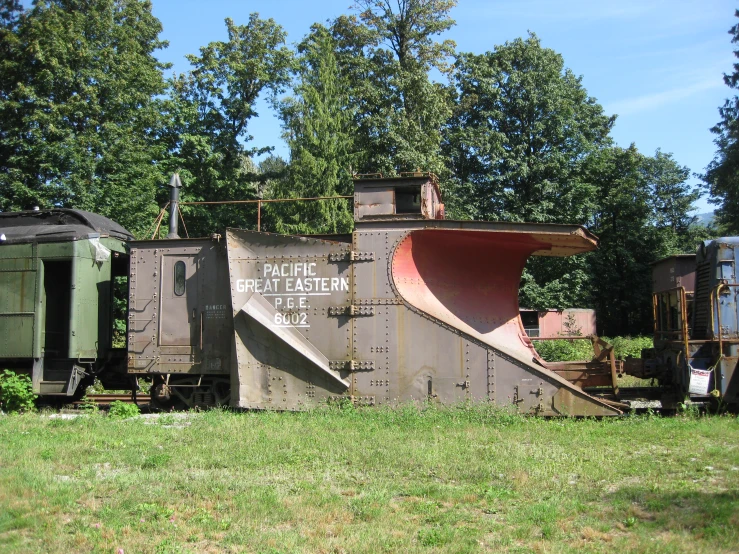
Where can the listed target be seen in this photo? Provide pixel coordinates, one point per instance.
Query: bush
(564, 350)
(16, 393)
(570, 350)
(123, 410)
(629, 346)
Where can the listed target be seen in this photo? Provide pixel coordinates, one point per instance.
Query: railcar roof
(58, 224)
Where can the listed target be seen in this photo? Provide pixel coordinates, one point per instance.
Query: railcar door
(179, 288)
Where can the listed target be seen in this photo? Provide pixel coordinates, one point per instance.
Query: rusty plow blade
(468, 280)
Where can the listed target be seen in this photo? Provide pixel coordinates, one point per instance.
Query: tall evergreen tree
(722, 174)
(673, 201)
(628, 243)
(79, 110)
(318, 128)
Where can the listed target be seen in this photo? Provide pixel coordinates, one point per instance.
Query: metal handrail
(260, 201)
(713, 298)
(682, 300)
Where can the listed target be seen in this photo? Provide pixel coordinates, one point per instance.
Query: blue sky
(657, 64)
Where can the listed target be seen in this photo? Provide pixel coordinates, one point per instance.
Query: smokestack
(174, 200)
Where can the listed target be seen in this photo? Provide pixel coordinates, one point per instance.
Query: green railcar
(58, 270)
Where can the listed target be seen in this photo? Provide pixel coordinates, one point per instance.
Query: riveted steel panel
(174, 333)
(371, 280)
(301, 280)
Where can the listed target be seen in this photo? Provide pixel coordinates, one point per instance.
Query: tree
(722, 174)
(210, 109)
(387, 54)
(79, 110)
(516, 146)
(520, 133)
(318, 128)
(673, 201)
(642, 216)
(11, 71)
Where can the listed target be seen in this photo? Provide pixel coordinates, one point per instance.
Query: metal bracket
(352, 365)
(352, 310)
(516, 397)
(351, 256)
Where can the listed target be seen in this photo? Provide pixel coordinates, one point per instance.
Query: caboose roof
(58, 224)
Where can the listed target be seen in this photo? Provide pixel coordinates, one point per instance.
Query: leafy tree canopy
(522, 128)
(641, 218)
(79, 113)
(387, 54)
(210, 108)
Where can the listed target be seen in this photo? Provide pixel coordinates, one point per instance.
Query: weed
(96, 388)
(435, 536)
(564, 350)
(16, 393)
(342, 404)
(123, 410)
(569, 350)
(88, 405)
(688, 410)
(149, 511)
(144, 385)
(168, 546)
(498, 493)
(625, 347)
(155, 461)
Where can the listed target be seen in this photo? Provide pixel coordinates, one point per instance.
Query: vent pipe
(174, 200)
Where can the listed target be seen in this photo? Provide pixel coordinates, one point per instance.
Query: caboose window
(179, 278)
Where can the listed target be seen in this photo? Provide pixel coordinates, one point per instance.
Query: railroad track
(107, 399)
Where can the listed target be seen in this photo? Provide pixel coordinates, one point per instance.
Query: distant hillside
(705, 219)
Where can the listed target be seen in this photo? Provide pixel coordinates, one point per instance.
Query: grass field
(440, 480)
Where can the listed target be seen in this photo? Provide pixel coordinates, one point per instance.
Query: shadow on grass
(710, 516)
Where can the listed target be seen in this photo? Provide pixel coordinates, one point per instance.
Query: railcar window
(179, 278)
(408, 200)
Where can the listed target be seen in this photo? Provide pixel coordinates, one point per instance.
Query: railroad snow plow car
(408, 307)
(56, 298)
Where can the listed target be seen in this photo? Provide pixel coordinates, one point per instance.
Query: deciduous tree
(521, 132)
(642, 216)
(522, 128)
(210, 109)
(78, 111)
(388, 53)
